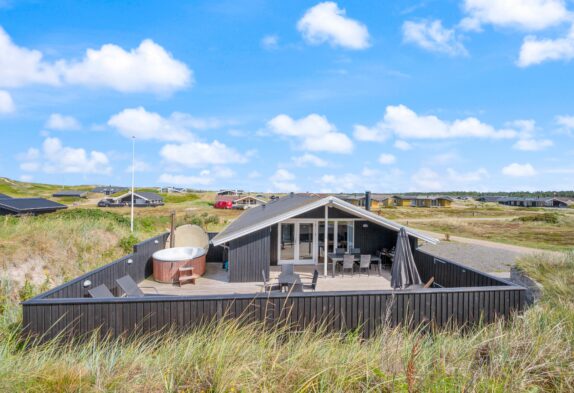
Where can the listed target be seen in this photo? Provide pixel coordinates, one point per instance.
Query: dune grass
(532, 352)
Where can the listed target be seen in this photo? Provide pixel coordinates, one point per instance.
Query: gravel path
(480, 257)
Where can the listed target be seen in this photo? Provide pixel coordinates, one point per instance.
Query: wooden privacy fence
(464, 296)
(336, 311)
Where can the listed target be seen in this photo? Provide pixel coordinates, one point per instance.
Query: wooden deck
(214, 282)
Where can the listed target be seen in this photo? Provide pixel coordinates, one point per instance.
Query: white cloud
(467, 177)
(519, 170)
(60, 122)
(253, 175)
(535, 51)
(565, 122)
(147, 68)
(406, 124)
(145, 125)
(371, 134)
(270, 42)
(532, 144)
(327, 23)
(182, 180)
(433, 37)
(282, 181)
(314, 132)
(26, 178)
(523, 14)
(344, 182)
(139, 166)
(387, 159)
(6, 102)
(197, 154)
(445, 158)
(309, 160)
(402, 145)
(425, 179)
(21, 66)
(54, 157)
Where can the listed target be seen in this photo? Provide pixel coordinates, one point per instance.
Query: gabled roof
(29, 205)
(247, 197)
(150, 196)
(423, 197)
(293, 205)
(4, 196)
(76, 193)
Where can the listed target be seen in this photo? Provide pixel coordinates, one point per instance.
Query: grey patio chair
(348, 263)
(313, 284)
(287, 269)
(267, 286)
(355, 251)
(340, 250)
(101, 291)
(130, 287)
(365, 263)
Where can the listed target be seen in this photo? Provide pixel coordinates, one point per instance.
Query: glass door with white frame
(297, 243)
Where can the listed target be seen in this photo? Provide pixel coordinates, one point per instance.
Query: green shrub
(547, 218)
(27, 291)
(127, 243)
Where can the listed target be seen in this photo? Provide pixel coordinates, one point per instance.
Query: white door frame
(315, 223)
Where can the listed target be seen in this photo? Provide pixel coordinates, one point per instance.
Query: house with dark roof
(302, 229)
(489, 198)
(4, 196)
(533, 202)
(70, 193)
(141, 199)
(421, 201)
(108, 190)
(33, 206)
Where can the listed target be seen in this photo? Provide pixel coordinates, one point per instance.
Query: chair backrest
(355, 250)
(341, 250)
(365, 261)
(101, 291)
(348, 261)
(129, 286)
(287, 269)
(315, 279)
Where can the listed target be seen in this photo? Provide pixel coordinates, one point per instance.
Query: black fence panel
(366, 311)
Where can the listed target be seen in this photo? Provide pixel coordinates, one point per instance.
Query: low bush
(547, 218)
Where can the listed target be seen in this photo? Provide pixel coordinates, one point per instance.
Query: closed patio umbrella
(404, 272)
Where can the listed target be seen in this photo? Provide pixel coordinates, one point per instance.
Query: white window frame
(316, 223)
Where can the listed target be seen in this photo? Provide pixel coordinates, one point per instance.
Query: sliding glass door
(297, 242)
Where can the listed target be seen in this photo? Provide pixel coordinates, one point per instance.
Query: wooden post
(172, 230)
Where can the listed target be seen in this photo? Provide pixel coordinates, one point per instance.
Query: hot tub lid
(191, 236)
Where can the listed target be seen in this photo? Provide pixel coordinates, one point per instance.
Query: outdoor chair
(340, 250)
(130, 287)
(355, 251)
(365, 263)
(101, 291)
(348, 264)
(287, 269)
(267, 286)
(313, 284)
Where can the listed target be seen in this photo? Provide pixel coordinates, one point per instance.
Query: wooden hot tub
(167, 262)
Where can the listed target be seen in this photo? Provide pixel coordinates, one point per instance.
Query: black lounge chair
(101, 291)
(130, 287)
(313, 284)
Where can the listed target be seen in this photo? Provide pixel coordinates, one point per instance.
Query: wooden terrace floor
(214, 282)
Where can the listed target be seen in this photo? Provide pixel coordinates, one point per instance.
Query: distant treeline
(526, 194)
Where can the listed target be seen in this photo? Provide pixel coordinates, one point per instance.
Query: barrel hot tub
(167, 262)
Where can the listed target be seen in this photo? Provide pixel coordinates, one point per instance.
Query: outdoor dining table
(292, 281)
(338, 258)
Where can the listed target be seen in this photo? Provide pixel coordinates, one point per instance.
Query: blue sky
(290, 95)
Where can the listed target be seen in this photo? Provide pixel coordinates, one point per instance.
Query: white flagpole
(133, 180)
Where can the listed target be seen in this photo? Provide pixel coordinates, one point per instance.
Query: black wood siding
(249, 255)
(216, 254)
(274, 246)
(374, 237)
